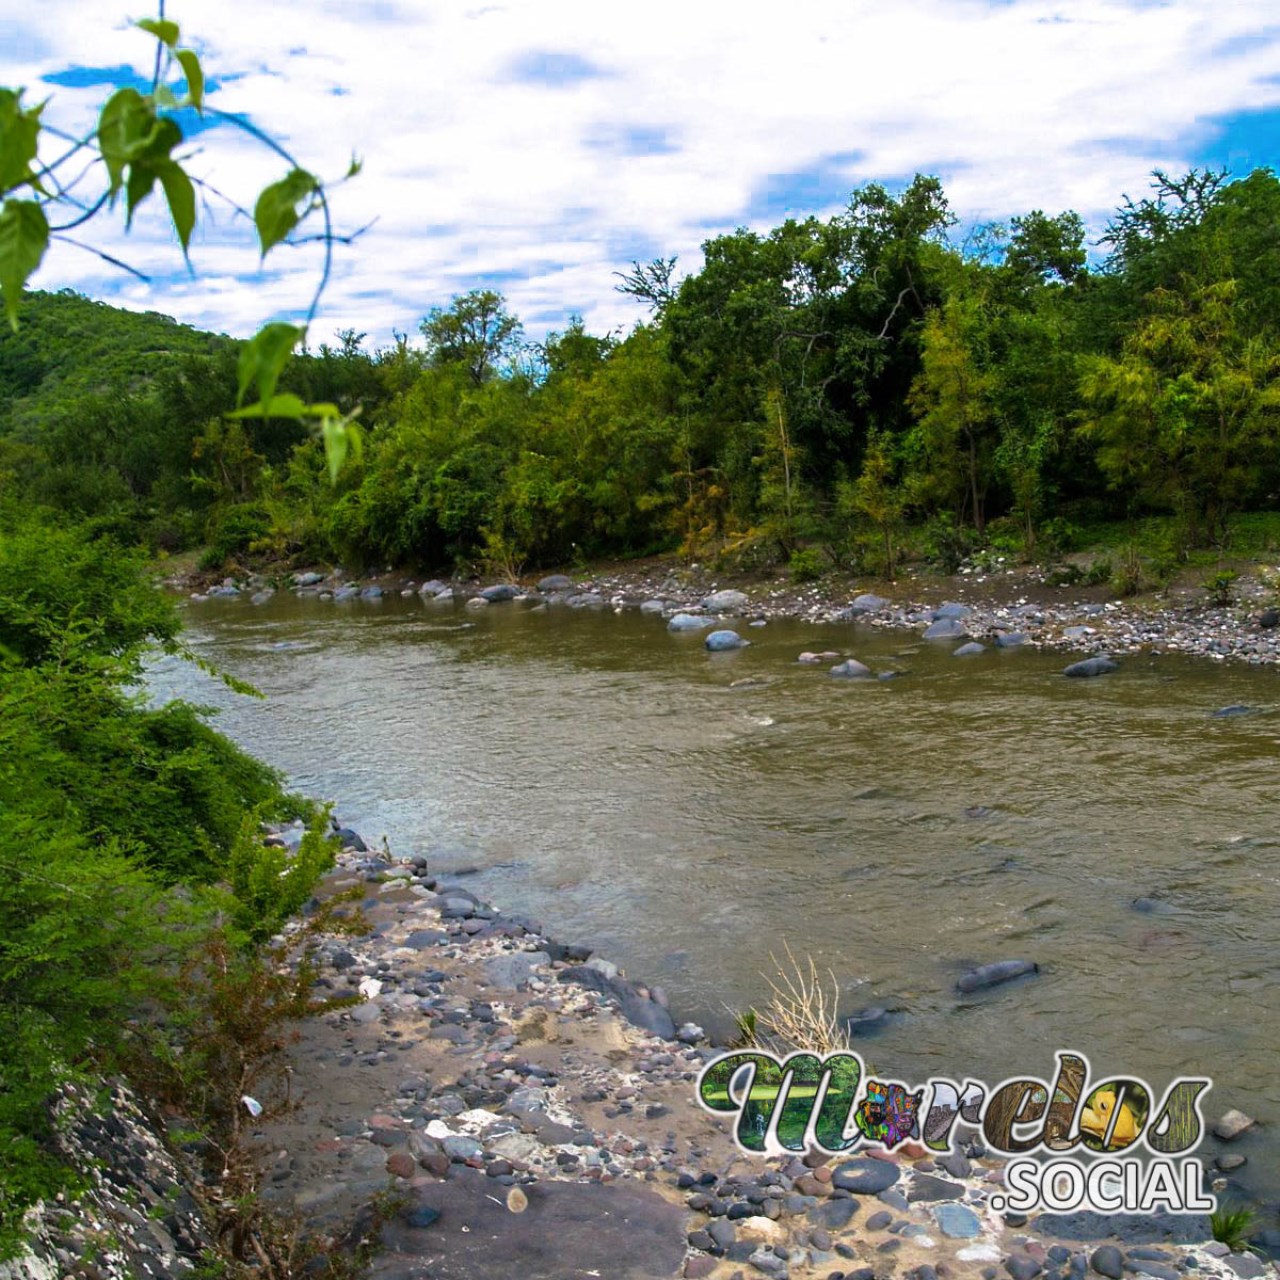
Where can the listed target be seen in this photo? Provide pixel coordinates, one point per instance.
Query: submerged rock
(945, 629)
(851, 669)
(992, 975)
(1010, 639)
(1236, 709)
(1098, 666)
(688, 622)
(969, 650)
(721, 640)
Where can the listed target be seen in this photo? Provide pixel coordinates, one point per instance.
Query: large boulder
(638, 1009)
(951, 609)
(868, 603)
(718, 641)
(502, 591)
(726, 602)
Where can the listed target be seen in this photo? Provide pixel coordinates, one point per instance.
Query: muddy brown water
(691, 815)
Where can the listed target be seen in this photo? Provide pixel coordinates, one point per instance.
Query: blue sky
(538, 146)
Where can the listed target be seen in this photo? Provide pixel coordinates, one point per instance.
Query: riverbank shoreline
(536, 1113)
(1017, 602)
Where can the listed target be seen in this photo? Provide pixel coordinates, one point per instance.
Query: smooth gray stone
(969, 650)
(851, 669)
(689, 622)
(1098, 666)
(991, 975)
(718, 641)
(945, 629)
(725, 601)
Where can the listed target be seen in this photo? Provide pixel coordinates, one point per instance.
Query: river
(627, 788)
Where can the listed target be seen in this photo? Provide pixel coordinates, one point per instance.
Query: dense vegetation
(812, 392)
(128, 836)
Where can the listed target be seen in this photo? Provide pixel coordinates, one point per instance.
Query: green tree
(1187, 415)
(475, 331)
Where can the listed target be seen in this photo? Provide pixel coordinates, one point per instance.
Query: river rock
(725, 602)
(957, 1221)
(1270, 619)
(510, 972)
(851, 669)
(444, 596)
(720, 640)
(865, 1177)
(864, 1021)
(261, 597)
(951, 609)
(968, 650)
(351, 840)
(945, 629)
(371, 593)
(1098, 666)
(307, 579)
(555, 582)
(1235, 709)
(652, 606)
(1232, 1125)
(1010, 639)
(346, 593)
(991, 975)
(586, 600)
(433, 587)
(1107, 1260)
(636, 1008)
(688, 622)
(868, 602)
(502, 591)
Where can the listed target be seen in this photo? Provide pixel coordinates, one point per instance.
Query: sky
(538, 147)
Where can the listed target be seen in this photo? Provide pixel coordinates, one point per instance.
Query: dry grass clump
(801, 1013)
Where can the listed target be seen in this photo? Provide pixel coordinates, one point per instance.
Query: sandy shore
(534, 1130)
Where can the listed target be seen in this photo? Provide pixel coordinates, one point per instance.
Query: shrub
(806, 565)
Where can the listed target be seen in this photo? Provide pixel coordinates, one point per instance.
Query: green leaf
(141, 179)
(276, 213)
(126, 126)
(19, 131)
(355, 166)
(24, 237)
(283, 406)
(340, 436)
(181, 196)
(263, 357)
(166, 32)
(195, 77)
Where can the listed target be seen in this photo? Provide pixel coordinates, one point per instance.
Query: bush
(232, 531)
(1221, 588)
(806, 565)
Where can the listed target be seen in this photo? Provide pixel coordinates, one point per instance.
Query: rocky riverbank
(534, 1113)
(1017, 606)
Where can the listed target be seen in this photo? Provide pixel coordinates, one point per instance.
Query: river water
(691, 815)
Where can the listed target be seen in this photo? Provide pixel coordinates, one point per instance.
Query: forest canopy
(816, 389)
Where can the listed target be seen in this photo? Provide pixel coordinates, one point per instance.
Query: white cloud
(474, 170)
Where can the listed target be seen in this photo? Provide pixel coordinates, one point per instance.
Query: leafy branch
(137, 140)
